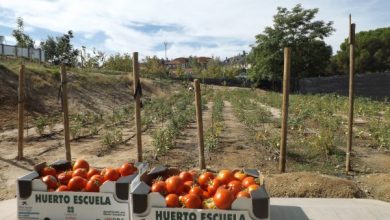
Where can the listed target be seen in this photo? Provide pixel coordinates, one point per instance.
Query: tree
(295, 29)
(153, 66)
(371, 53)
(119, 62)
(22, 39)
(60, 50)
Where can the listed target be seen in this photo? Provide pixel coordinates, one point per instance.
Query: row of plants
(214, 131)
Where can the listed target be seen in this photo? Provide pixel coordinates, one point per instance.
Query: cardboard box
(35, 202)
(151, 206)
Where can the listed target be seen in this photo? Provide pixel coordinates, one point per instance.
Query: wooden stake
(65, 112)
(199, 120)
(286, 88)
(137, 105)
(21, 113)
(351, 93)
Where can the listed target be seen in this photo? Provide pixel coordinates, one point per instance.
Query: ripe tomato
(204, 178)
(223, 198)
(64, 177)
(92, 172)
(98, 178)
(225, 176)
(127, 169)
(239, 175)
(77, 183)
(187, 186)
(62, 188)
(81, 164)
(186, 176)
(213, 186)
(50, 181)
(48, 171)
(172, 200)
(93, 186)
(235, 187)
(111, 174)
(243, 194)
(247, 181)
(81, 172)
(175, 185)
(196, 190)
(159, 186)
(253, 187)
(192, 201)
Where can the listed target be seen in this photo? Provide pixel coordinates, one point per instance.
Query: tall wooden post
(351, 93)
(286, 91)
(65, 112)
(21, 113)
(199, 120)
(137, 105)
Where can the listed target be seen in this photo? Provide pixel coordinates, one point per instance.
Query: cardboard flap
(260, 203)
(25, 184)
(122, 186)
(251, 172)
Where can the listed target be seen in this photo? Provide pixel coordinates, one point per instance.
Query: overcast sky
(204, 27)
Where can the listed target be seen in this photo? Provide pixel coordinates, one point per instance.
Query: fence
(374, 85)
(31, 53)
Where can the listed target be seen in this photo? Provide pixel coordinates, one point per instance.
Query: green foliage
(119, 62)
(371, 52)
(94, 60)
(22, 39)
(162, 140)
(60, 50)
(213, 69)
(153, 67)
(40, 124)
(112, 137)
(293, 28)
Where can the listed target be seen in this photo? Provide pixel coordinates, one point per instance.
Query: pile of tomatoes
(82, 177)
(205, 190)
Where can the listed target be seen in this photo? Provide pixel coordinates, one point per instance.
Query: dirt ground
(236, 149)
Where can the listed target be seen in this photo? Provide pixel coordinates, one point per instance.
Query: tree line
(296, 28)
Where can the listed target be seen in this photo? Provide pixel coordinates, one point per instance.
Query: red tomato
(127, 169)
(196, 190)
(186, 176)
(50, 181)
(243, 194)
(62, 188)
(98, 178)
(247, 181)
(239, 175)
(253, 187)
(235, 187)
(48, 171)
(192, 201)
(77, 183)
(159, 186)
(92, 172)
(64, 177)
(93, 186)
(81, 172)
(81, 164)
(204, 178)
(111, 174)
(225, 176)
(223, 198)
(175, 185)
(213, 186)
(172, 200)
(187, 186)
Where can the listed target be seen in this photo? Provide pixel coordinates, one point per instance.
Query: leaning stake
(21, 112)
(199, 120)
(351, 93)
(286, 86)
(65, 112)
(137, 96)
